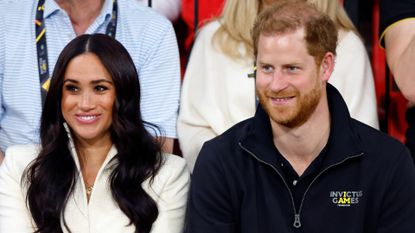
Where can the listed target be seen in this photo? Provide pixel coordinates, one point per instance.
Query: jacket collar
(343, 141)
(71, 145)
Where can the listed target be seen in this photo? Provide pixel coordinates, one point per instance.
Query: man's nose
(279, 81)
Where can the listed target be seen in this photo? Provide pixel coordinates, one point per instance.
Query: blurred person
(302, 163)
(97, 168)
(42, 28)
(168, 8)
(217, 93)
(397, 36)
(352, 75)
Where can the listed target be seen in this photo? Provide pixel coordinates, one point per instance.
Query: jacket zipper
(297, 215)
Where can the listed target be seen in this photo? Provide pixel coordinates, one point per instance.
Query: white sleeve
(172, 197)
(198, 97)
(216, 94)
(14, 216)
(353, 78)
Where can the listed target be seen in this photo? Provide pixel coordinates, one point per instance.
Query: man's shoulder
(226, 145)
(392, 11)
(234, 134)
(21, 10)
(378, 144)
(135, 12)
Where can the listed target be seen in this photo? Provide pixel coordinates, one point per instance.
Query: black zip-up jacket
(366, 183)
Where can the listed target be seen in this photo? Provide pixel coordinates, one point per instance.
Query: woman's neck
(91, 157)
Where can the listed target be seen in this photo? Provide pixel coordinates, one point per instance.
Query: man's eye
(267, 69)
(293, 68)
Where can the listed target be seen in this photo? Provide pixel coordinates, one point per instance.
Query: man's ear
(327, 66)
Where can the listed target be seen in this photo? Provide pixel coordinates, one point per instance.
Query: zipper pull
(297, 222)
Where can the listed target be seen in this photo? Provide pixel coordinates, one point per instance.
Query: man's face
(288, 81)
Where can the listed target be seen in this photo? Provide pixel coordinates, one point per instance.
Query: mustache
(283, 93)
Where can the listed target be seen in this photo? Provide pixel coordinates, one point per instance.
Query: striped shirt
(149, 38)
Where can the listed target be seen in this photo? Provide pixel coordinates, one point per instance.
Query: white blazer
(101, 214)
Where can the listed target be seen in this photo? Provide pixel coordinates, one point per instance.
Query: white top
(102, 213)
(353, 78)
(216, 93)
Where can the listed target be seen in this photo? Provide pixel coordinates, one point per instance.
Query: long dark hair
(51, 177)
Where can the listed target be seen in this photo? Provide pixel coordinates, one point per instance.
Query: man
(397, 35)
(301, 164)
(35, 31)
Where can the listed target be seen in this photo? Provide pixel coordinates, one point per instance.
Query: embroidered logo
(345, 198)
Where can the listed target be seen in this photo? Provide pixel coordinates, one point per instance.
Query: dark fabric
(392, 11)
(366, 183)
(410, 132)
(298, 184)
(352, 9)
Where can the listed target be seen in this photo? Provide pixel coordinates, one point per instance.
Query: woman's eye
(101, 88)
(71, 88)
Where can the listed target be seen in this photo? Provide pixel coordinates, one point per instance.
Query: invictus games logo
(345, 198)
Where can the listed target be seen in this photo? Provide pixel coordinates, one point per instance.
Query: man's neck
(81, 12)
(301, 145)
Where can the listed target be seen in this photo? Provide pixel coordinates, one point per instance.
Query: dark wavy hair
(51, 177)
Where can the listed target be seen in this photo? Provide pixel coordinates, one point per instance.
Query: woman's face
(88, 97)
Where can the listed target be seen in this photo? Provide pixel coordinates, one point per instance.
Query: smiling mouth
(281, 99)
(87, 118)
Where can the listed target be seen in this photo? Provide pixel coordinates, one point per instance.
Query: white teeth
(282, 99)
(87, 118)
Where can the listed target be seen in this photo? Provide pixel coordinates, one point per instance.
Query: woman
(217, 92)
(352, 74)
(97, 168)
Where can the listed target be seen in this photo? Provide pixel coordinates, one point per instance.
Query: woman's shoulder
(18, 157)
(172, 164)
(209, 29)
(22, 154)
(349, 40)
(173, 172)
